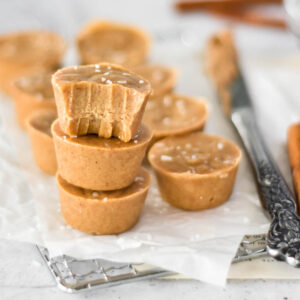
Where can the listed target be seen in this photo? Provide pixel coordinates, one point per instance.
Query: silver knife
(283, 238)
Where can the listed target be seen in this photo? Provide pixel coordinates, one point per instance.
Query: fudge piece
(174, 114)
(161, 78)
(102, 41)
(96, 163)
(195, 171)
(24, 52)
(104, 99)
(38, 126)
(98, 212)
(32, 92)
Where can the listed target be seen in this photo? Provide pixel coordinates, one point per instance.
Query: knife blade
(283, 238)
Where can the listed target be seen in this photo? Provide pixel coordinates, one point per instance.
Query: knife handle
(283, 239)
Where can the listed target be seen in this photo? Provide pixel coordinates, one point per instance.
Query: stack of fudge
(100, 144)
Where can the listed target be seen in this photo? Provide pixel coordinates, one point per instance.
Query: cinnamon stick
(187, 5)
(236, 10)
(249, 17)
(294, 156)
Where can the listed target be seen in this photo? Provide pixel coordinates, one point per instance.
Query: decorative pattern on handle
(283, 239)
(251, 246)
(284, 233)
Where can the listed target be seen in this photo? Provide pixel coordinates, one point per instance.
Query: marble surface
(23, 274)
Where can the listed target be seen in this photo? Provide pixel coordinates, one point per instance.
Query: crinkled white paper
(199, 245)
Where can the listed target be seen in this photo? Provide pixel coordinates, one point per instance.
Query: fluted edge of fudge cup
(96, 163)
(162, 78)
(101, 213)
(175, 114)
(38, 126)
(32, 92)
(27, 51)
(103, 41)
(187, 188)
(103, 99)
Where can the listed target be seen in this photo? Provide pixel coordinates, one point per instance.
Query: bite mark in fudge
(103, 99)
